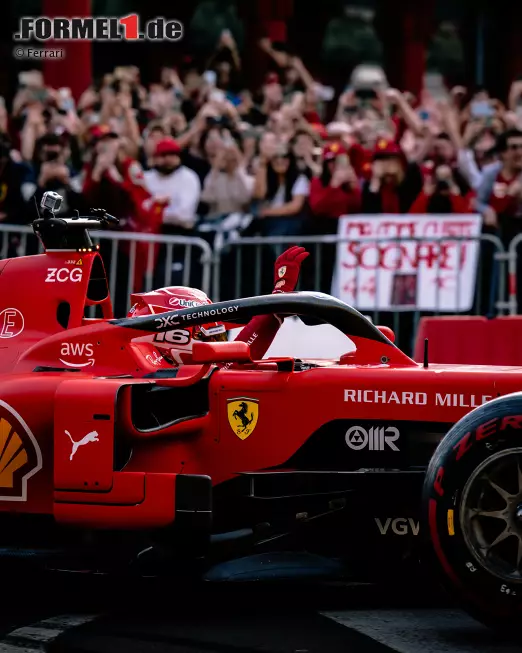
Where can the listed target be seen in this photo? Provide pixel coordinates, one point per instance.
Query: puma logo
(90, 437)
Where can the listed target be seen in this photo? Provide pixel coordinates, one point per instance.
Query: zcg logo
(375, 439)
(63, 274)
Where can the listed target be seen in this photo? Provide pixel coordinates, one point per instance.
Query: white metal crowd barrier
(135, 262)
(13, 240)
(178, 269)
(515, 272)
(425, 259)
(386, 271)
(398, 297)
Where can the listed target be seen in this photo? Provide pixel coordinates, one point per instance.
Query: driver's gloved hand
(260, 332)
(287, 268)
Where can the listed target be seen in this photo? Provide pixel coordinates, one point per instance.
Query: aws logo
(20, 455)
(79, 350)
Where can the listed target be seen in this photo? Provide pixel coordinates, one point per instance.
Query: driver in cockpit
(175, 346)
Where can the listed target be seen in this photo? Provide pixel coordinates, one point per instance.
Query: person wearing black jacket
(394, 183)
(13, 209)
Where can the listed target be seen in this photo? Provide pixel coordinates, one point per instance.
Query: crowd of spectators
(198, 146)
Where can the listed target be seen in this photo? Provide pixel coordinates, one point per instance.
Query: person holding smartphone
(50, 172)
(334, 193)
(282, 191)
(394, 183)
(444, 191)
(228, 187)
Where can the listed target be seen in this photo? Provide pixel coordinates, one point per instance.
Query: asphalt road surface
(97, 616)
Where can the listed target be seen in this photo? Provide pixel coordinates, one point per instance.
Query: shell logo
(20, 455)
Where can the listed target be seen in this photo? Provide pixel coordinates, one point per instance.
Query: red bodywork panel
(73, 391)
(293, 405)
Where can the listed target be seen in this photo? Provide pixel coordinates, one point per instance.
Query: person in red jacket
(334, 194)
(175, 347)
(394, 183)
(444, 192)
(118, 179)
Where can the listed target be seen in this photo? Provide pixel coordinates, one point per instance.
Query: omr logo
(375, 439)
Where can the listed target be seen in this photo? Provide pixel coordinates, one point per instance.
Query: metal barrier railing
(175, 270)
(249, 261)
(135, 262)
(13, 240)
(514, 274)
(244, 266)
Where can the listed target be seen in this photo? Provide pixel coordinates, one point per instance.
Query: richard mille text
(455, 400)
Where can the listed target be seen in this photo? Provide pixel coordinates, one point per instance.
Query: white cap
(338, 127)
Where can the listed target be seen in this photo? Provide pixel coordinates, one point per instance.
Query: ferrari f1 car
(270, 468)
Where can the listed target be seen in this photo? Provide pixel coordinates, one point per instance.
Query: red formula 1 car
(272, 468)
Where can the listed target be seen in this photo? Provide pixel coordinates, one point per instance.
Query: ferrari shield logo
(282, 271)
(242, 415)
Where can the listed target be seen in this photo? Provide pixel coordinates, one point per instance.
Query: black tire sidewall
(456, 458)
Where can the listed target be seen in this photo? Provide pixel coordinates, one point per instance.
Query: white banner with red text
(408, 262)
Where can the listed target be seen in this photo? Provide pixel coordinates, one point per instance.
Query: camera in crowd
(366, 81)
(219, 121)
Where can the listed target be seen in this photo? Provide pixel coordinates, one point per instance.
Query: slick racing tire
(472, 502)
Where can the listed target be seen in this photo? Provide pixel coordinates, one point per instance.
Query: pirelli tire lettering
(472, 502)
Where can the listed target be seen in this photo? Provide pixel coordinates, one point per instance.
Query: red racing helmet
(176, 345)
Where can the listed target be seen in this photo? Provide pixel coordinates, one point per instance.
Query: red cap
(272, 78)
(333, 150)
(361, 158)
(102, 131)
(427, 169)
(320, 129)
(384, 148)
(312, 117)
(167, 146)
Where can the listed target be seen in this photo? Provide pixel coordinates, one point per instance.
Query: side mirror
(386, 331)
(221, 352)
